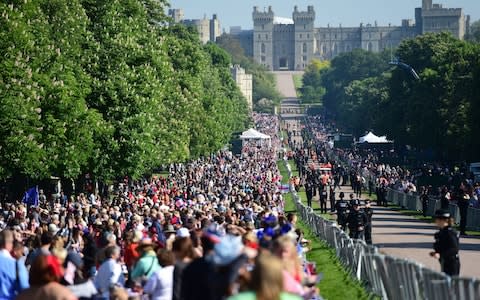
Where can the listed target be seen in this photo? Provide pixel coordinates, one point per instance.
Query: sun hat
(229, 248)
(183, 233)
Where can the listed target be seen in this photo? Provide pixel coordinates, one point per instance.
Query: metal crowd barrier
(383, 275)
(413, 202)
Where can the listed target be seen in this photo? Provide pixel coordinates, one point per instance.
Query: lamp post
(405, 67)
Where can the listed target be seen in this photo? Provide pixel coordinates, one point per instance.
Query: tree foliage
(439, 112)
(104, 87)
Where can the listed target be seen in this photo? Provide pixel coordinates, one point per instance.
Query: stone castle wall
(283, 45)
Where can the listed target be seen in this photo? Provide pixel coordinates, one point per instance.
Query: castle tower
(304, 36)
(263, 37)
(215, 28)
(427, 4)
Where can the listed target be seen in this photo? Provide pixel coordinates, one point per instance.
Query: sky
(333, 12)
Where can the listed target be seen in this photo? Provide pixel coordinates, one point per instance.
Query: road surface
(394, 233)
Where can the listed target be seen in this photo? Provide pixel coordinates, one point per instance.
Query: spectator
(148, 262)
(110, 273)
(14, 277)
(45, 275)
(267, 281)
(160, 285)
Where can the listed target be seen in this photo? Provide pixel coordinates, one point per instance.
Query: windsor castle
(290, 44)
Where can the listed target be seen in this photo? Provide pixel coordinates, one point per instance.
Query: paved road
(394, 233)
(285, 84)
(405, 236)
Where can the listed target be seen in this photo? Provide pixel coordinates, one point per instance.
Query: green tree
(313, 90)
(127, 89)
(21, 147)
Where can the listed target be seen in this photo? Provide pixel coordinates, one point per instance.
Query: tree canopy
(439, 112)
(106, 88)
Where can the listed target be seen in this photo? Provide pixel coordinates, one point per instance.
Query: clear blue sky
(333, 12)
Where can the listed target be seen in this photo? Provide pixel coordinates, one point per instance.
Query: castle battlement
(442, 12)
(290, 44)
(308, 15)
(265, 16)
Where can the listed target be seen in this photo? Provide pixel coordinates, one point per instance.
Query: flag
(31, 197)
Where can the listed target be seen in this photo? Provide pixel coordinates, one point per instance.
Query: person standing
(13, 274)
(424, 198)
(323, 199)
(356, 221)
(445, 198)
(446, 244)
(309, 191)
(342, 211)
(332, 198)
(368, 226)
(110, 273)
(463, 204)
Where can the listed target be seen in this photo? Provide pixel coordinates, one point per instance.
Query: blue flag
(31, 197)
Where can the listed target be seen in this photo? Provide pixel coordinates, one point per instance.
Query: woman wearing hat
(148, 262)
(446, 244)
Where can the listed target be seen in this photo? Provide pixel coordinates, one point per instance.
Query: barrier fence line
(413, 202)
(383, 275)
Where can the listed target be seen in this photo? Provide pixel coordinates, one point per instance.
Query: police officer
(331, 195)
(309, 191)
(446, 244)
(357, 219)
(368, 226)
(342, 211)
(323, 199)
(424, 197)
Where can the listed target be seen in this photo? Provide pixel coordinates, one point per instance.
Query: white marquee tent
(252, 135)
(371, 138)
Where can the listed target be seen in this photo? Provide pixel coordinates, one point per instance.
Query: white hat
(183, 233)
(52, 228)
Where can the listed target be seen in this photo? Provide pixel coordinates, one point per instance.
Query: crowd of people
(367, 170)
(214, 228)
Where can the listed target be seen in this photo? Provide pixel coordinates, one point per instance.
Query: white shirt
(160, 284)
(109, 274)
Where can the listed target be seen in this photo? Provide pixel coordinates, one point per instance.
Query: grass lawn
(337, 283)
(297, 81)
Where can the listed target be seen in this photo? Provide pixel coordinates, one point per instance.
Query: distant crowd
(213, 228)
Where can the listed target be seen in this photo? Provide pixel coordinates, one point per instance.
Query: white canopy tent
(252, 135)
(371, 138)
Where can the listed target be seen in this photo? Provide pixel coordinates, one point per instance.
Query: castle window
(266, 36)
(301, 36)
(304, 26)
(335, 36)
(324, 36)
(263, 27)
(259, 37)
(308, 36)
(304, 58)
(324, 49)
(304, 47)
(263, 59)
(263, 48)
(370, 46)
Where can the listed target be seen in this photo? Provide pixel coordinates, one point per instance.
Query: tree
(21, 147)
(313, 90)
(347, 67)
